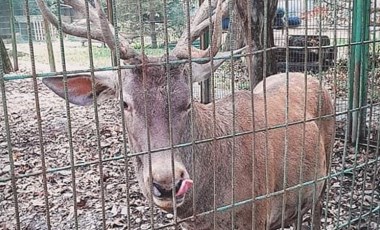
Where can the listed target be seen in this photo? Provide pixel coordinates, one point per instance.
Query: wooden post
(205, 85)
(49, 45)
(14, 40)
(7, 65)
(110, 19)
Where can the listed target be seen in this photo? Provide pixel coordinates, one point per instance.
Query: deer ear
(79, 88)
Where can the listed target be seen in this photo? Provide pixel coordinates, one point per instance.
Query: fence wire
(64, 166)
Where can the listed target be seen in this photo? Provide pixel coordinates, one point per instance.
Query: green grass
(76, 56)
(153, 52)
(342, 41)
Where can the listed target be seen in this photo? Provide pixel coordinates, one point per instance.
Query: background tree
(252, 14)
(153, 19)
(19, 7)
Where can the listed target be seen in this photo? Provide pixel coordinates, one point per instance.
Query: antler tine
(108, 36)
(199, 24)
(101, 29)
(68, 28)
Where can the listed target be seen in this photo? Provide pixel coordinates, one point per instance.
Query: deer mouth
(164, 199)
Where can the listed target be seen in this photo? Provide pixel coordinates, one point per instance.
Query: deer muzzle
(163, 188)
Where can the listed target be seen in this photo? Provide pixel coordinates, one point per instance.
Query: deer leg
(302, 227)
(317, 215)
(316, 218)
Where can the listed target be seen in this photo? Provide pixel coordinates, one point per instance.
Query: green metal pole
(358, 66)
(364, 67)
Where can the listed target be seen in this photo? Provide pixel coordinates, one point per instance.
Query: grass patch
(76, 56)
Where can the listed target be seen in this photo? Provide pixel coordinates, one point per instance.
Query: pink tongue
(185, 186)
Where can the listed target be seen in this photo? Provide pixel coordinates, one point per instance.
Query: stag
(243, 146)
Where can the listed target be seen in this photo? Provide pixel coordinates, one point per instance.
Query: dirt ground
(351, 194)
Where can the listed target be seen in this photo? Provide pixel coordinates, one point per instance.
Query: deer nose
(163, 186)
(181, 187)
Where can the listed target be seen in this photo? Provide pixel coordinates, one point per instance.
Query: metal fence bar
(96, 115)
(253, 138)
(38, 114)
(213, 104)
(266, 145)
(192, 115)
(370, 122)
(233, 153)
(315, 206)
(357, 124)
(373, 184)
(53, 170)
(9, 145)
(339, 222)
(286, 135)
(346, 225)
(345, 150)
(11, 77)
(328, 181)
(170, 119)
(68, 114)
(298, 223)
(373, 72)
(251, 87)
(347, 131)
(126, 156)
(145, 93)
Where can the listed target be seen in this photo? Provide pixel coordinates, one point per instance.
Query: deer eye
(188, 107)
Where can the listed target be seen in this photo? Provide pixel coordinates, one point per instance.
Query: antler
(101, 29)
(200, 22)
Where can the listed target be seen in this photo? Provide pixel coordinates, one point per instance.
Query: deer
(250, 144)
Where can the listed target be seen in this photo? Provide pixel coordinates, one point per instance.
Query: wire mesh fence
(128, 159)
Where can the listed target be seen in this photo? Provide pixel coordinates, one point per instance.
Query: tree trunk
(235, 35)
(6, 62)
(256, 35)
(152, 24)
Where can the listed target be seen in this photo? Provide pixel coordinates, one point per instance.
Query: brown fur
(318, 141)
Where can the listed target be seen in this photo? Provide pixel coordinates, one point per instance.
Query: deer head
(156, 95)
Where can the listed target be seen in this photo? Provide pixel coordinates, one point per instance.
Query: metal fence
(65, 166)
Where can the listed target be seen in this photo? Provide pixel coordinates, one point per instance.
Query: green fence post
(364, 67)
(358, 69)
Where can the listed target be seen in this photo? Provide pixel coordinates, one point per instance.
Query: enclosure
(64, 166)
